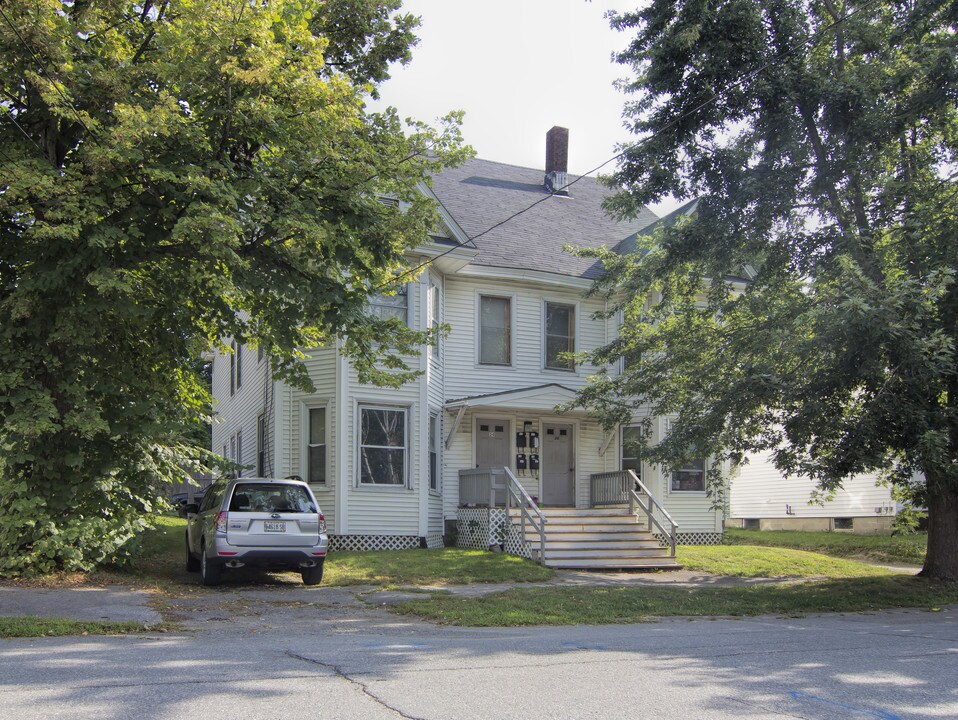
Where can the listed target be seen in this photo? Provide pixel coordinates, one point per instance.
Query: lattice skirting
(693, 538)
(363, 543)
(481, 528)
(434, 540)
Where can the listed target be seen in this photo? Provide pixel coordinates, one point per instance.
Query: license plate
(273, 526)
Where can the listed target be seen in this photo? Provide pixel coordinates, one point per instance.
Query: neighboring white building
(762, 498)
(386, 464)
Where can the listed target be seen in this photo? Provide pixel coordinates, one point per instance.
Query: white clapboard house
(763, 498)
(474, 451)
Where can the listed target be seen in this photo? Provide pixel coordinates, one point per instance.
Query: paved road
(264, 655)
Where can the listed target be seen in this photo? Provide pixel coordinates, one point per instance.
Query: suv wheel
(192, 564)
(210, 573)
(313, 575)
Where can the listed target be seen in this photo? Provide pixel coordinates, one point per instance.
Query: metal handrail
(649, 508)
(515, 491)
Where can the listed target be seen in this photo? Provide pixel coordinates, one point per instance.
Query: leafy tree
(809, 305)
(173, 172)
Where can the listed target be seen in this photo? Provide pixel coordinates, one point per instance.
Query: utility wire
(668, 126)
(43, 68)
(13, 119)
(675, 121)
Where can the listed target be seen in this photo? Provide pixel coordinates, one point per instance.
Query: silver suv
(260, 522)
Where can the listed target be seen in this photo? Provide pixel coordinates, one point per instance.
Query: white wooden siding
(759, 490)
(238, 412)
(384, 510)
(464, 376)
(320, 363)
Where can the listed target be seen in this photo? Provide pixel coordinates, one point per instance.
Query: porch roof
(538, 397)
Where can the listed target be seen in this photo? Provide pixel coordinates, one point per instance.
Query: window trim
(687, 468)
(261, 445)
(666, 428)
(511, 297)
(239, 364)
(305, 407)
(232, 367)
(433, 449)
(406, 410)
(622, 429)
(404, 292)
(544, 337)
(433, 315)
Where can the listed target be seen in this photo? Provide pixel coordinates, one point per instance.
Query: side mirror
(191, 508)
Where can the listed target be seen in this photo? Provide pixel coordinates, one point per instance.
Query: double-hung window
(316, 447)
(261, 446)
(631, 444)
(383, 446)
(495, 330)
(433, 452)
(433, 310)
(387, 306)
(690, 477)
(559, 335)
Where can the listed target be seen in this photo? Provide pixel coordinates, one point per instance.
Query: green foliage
(907, 521)
(172, 173)
(809, 305)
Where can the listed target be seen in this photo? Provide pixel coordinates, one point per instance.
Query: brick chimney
(557, 160)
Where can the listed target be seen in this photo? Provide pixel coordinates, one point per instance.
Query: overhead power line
(43, 69)
(668, 126)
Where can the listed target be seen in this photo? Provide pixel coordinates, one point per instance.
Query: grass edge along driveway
(615, 604)
(28, 626)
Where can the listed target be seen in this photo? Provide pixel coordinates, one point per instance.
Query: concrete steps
(599, 539)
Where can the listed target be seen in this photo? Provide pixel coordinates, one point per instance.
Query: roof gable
(481, 194)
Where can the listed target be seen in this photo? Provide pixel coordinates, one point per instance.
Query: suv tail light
(322, 523)
(221, 522)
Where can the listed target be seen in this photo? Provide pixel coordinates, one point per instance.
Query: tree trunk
(941, 560)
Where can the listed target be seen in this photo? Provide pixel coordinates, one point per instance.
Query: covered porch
(551, 454)
(539, 483)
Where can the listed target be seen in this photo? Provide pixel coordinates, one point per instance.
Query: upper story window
(316, 447)
(559, 335)
(382, 446)
(495, 330)
(433, 310)
(387, 306)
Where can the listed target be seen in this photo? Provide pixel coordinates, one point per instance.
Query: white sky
(517, 68)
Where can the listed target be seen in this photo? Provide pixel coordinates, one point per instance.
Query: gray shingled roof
(482, 193)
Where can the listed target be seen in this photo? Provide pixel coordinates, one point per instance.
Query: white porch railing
(621, 486)
(498, 487)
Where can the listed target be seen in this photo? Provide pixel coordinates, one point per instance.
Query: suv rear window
(270, 497)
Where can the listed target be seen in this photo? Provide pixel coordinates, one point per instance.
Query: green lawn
(21, 627)
(909, 549)
(607, 605)
(430, 567)
(752, 561)
(161, 557)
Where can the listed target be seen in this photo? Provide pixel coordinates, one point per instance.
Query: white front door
(493, 446)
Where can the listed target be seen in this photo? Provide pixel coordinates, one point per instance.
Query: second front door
(558, 465)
